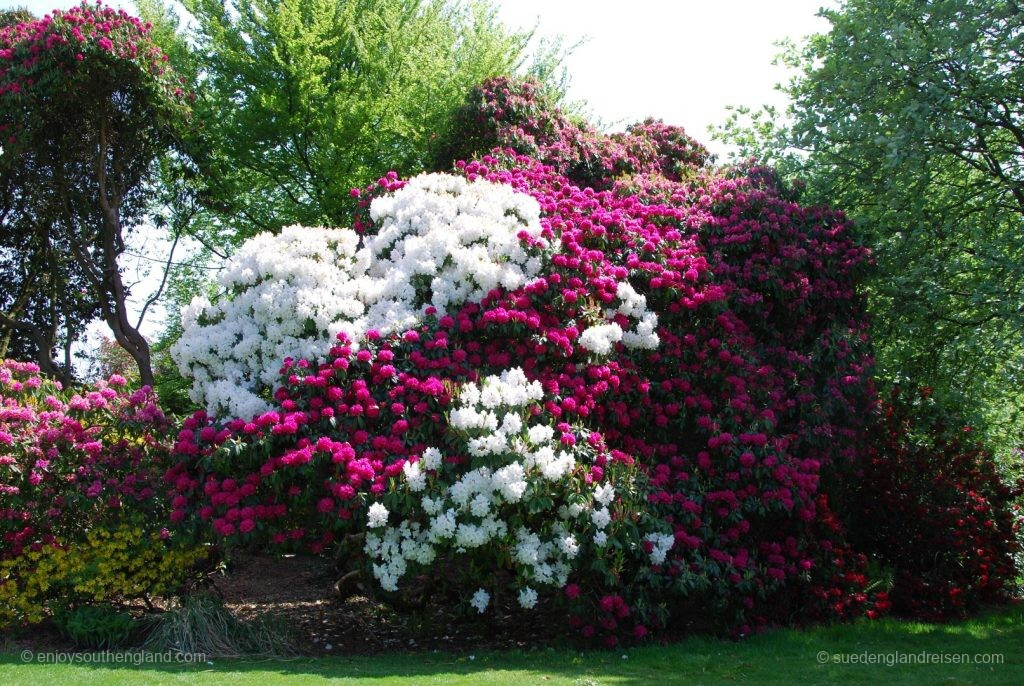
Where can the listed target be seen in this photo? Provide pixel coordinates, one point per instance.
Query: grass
(776, 657)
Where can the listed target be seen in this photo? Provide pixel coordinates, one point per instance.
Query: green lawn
(778, 657)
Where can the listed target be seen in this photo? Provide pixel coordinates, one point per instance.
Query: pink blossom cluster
(507, 113)
(69, 459)
(71, 40)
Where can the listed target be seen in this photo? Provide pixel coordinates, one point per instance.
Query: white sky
(682, 61)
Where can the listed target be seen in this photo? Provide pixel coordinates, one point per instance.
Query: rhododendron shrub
(618, 381)
(73, 465)
(932, 507)
(638, 345)
(700, 348)
(530, 501)
(284, 295)
(510, 114)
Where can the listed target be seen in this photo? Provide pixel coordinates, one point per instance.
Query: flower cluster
(286, 296)
(74, 39)
(442, 242)
(536, 494)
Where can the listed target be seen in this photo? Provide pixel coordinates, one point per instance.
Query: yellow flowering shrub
(108, 564)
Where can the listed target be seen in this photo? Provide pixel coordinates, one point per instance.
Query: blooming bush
(103, 564)
(508, 114)
(285, 295)
(80, 515)
(80, 38)
(519, 504)
(631, 340)
(441, 241)
(633, 394)
(931, 506)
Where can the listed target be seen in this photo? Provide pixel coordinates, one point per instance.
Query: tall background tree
(909, 114)
(303, 100)
(32, 270)
(88, 105)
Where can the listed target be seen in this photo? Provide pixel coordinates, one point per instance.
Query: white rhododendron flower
(569, 546)
(634, 306)
(601, 338)
(286, 295)
(414, 476)
(480, 600)
(661, 544)
(377, 516)
(528, 598)
(431, 459)
(604, 494)
(461, 236)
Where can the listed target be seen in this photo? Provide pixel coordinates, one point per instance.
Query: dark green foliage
(97, 627)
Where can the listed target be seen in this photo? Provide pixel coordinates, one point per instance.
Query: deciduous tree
(88, 104)
(303, 100)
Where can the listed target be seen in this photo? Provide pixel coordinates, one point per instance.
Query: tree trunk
(44, 351)
(112, 290)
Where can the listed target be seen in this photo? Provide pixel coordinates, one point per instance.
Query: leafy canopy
(303, 100)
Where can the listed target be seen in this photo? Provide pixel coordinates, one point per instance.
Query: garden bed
(298, 591)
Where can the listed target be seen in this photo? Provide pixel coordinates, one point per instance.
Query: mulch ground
(297, 594)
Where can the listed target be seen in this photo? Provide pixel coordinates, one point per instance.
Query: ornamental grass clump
(200, 625)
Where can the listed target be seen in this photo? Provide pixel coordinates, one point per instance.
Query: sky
(683, 61)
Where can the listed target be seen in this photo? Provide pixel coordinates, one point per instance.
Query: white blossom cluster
(464, 512)
(287, 295)
(661, 543)
(480, 600)
(600, 339)
(443, 241)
